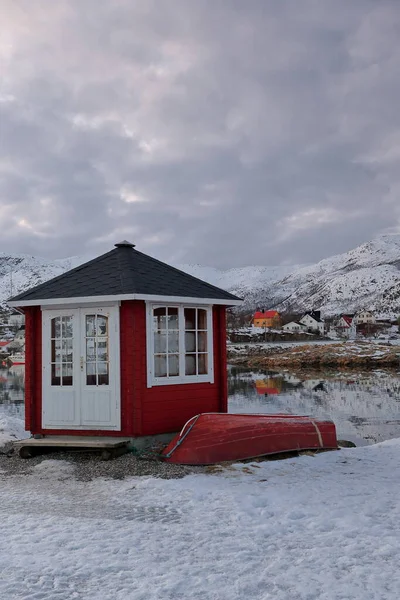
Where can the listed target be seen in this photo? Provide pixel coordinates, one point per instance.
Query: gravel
(88, 465)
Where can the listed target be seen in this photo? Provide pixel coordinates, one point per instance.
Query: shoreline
(344, 355)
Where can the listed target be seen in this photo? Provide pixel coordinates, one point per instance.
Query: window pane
(103, 379)
(173, 365)
(190, 318)
(55, 350)
(202, 341)
(91, 373)
(58, 350)
(159, 318)
(56, 327)
(173, 318)
(203, 364)
(67, 374)
(160, 365)
(173, 342)
(101, 325)
(190, 364)
(102, 349)
(90, 350)
(69, 350)
(67, 371)
(160, 341)
(202, 319)
(190, 341)
(90, 325)
(55, 375)
(67, 327)
(102, 369)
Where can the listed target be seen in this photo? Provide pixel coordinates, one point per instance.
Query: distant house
(346, 326)
(365, 317)
(294, 326)
(267, 318)
(313, 322)
(345, 321)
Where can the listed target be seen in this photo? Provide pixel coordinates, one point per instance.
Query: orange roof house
(267, 318)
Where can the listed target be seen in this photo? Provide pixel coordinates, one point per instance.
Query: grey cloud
(239, 133)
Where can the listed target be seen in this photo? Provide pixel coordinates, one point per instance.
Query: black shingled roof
(124, 270)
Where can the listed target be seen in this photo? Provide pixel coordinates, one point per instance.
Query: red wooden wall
(144, 411)
(163, 409)
(33, 367)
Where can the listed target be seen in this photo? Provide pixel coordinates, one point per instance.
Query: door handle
(82, 363)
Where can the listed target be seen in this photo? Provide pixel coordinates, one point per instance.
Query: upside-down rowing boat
(210, 438)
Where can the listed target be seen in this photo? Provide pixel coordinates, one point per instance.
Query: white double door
(81, 388)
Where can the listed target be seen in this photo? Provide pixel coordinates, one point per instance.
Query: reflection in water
(12, 391)
(365, 407)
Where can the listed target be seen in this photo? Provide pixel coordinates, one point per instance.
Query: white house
(364, 317)
(312, 322)
(294, 327)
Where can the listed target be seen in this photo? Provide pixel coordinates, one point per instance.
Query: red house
(123, 345)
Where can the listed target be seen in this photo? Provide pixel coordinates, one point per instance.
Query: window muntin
(62, 354)
(97, 349)
(179, 344)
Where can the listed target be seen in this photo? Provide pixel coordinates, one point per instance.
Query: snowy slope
(241, 281)
(363, 277)
(366, 277)
(19, 272)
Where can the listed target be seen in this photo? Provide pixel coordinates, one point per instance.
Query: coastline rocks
(346, 355)
(346, 444)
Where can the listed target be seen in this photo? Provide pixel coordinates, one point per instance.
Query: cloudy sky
(219, 132)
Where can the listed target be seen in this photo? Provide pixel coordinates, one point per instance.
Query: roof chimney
(124, 244)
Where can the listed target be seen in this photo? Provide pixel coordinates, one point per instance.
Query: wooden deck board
(70, 441)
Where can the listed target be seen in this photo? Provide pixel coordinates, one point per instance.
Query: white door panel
(81, 369)
(61, 408)
(96, 408)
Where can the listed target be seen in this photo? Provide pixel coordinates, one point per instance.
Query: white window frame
(181, 379)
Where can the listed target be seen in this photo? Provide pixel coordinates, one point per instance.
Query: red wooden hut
(123, 345)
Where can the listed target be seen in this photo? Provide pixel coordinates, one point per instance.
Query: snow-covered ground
(309, 528)
(11, 428)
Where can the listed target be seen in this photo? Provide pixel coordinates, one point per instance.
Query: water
(365, 406)
(12, 391)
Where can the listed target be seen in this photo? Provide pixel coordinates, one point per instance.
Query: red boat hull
(211, 438)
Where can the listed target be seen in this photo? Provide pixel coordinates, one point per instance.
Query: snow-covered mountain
(19, 272)
(366, 277)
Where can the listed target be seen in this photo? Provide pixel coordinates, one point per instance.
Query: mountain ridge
(367, 276)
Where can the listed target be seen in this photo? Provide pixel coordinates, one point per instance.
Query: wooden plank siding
(144, 411)
(165, 409)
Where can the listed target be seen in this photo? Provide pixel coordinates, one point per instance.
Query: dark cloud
(223, 133)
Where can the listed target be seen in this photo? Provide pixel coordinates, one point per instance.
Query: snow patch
(11, 429)
(51, 469)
